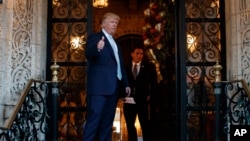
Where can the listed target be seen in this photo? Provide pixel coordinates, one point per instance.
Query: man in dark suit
(142, 80)
(105, 73)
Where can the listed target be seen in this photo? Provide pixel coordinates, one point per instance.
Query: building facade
(23, 43)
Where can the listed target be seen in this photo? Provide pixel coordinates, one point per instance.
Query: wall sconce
(100, 3)
(77, 42)
(191, 43)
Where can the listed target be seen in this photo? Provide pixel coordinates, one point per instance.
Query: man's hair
(138, 47)
(108, 15)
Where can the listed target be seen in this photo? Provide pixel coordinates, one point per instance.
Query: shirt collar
(138, 64)
(106, 34)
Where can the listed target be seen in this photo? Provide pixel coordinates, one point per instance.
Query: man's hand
(100, 44)
(128, 91)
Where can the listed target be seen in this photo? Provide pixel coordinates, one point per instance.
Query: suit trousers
(100, 115)
(130, 113)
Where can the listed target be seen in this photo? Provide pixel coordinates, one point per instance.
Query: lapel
(141, 70)
(130, 70)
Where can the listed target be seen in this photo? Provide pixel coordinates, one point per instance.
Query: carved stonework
(245, 38)
(246, 55)
(21, 46)
(22, 49)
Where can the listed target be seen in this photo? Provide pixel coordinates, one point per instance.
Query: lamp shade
(100, 3)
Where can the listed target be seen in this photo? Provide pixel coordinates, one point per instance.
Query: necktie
(135, 71)
(115, 49)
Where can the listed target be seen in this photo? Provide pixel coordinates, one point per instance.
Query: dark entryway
(162, 105)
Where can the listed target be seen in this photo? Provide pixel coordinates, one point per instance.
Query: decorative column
(217, 92)
(55, 93)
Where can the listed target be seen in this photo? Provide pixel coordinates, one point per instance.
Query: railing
(28, 119)
(238, 103)
(237, 108)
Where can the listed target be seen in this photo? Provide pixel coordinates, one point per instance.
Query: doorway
(162, 105)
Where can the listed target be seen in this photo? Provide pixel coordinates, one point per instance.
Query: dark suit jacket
(145, 83)
(102, 66)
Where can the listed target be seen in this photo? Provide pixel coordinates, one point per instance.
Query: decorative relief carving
(245, 20)
(21, 46)
(245, 58)
(244, 7)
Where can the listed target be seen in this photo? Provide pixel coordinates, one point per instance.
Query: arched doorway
(162, 101)
(127, 42)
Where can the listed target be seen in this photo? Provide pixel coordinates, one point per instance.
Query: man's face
(110, 24)
(137, 55)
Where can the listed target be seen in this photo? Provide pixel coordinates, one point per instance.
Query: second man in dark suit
(142, 80)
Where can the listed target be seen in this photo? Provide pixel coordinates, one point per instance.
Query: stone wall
(238, 39)
(23, 32)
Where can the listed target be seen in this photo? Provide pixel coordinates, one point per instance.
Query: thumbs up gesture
(101, 44)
